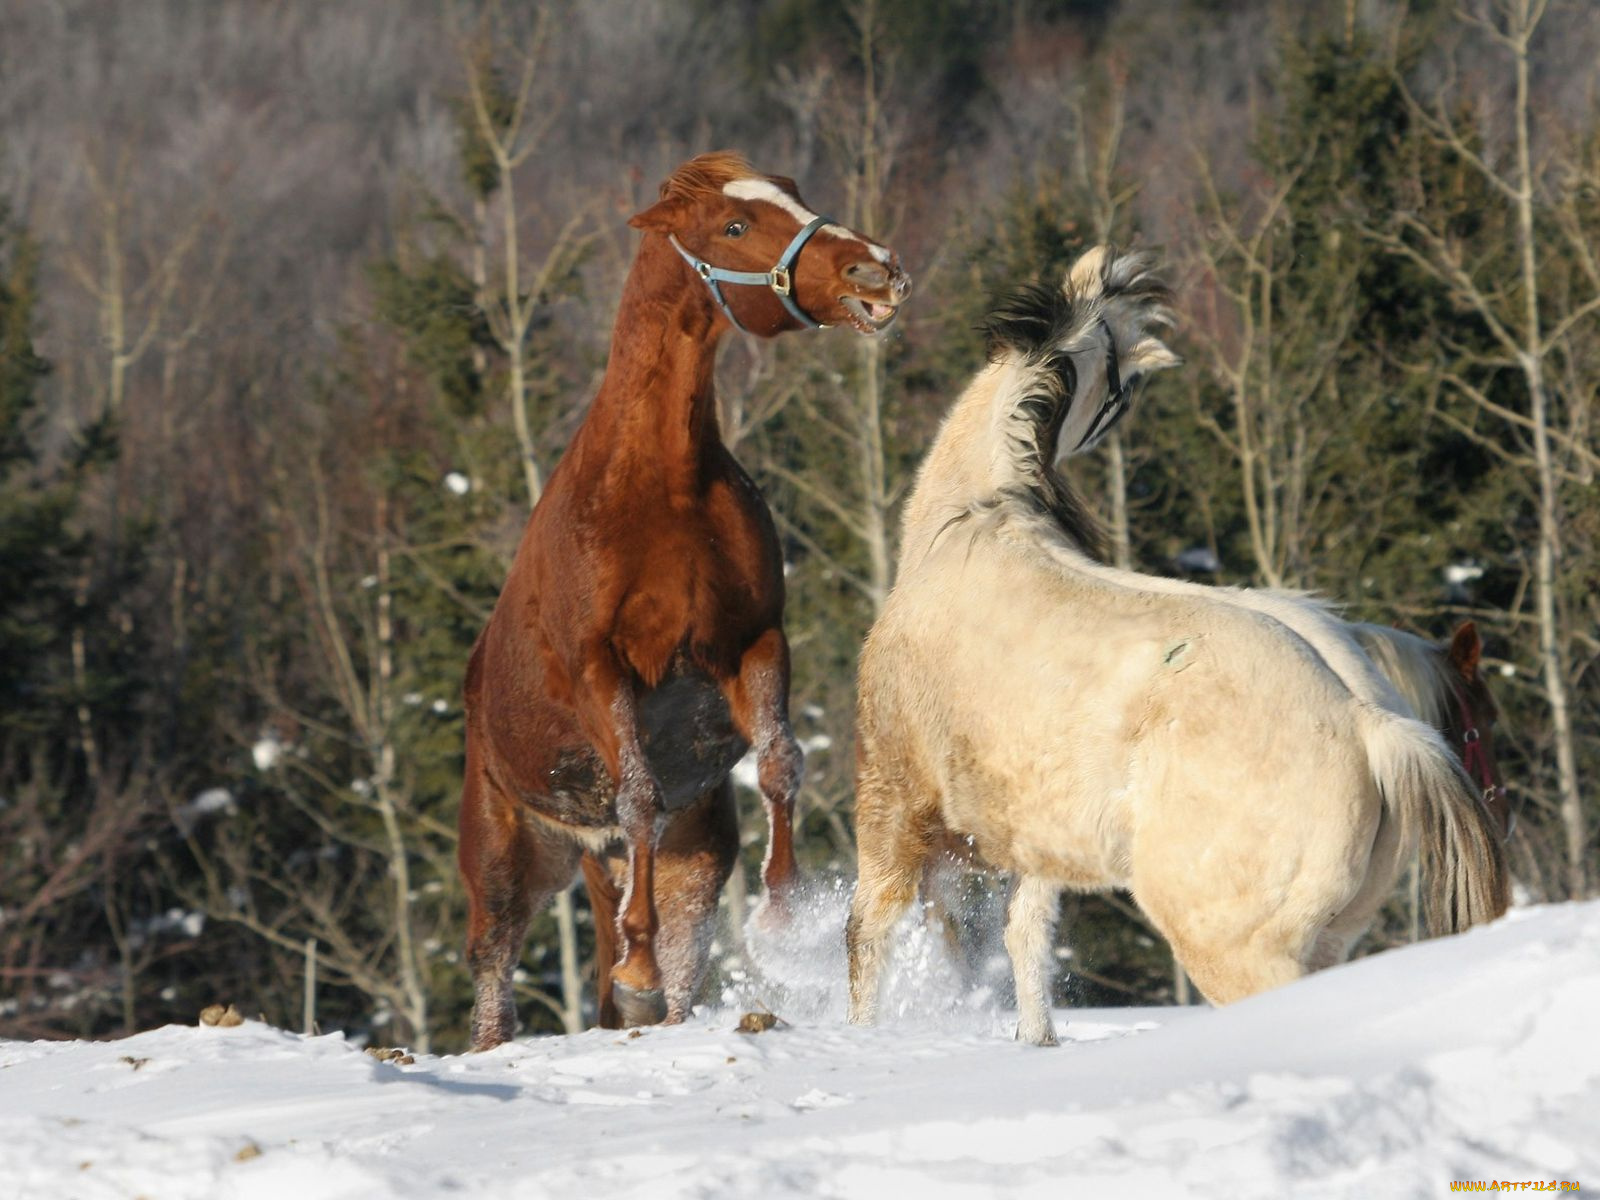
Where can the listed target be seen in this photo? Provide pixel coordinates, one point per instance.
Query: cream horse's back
(1231, 758)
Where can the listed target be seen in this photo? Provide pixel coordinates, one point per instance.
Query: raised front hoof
(775, 912)
(1037, 1035)
(638, 1006)
(783, 883)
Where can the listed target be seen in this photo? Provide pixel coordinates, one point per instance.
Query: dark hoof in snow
(644, 1006)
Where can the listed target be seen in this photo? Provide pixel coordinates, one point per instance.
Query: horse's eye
(735, 229)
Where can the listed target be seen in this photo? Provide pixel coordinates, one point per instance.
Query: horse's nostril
(867, 274)
(902, 285)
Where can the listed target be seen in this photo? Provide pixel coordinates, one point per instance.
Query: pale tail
(1463, 863)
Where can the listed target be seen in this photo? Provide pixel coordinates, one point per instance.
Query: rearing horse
(637, 650)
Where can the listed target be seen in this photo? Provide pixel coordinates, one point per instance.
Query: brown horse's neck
(656, 410)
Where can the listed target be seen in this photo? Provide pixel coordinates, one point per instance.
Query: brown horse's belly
(689, 741)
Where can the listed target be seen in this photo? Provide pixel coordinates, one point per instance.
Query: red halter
(1476, 760)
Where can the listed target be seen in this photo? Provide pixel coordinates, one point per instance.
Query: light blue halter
(779, 279)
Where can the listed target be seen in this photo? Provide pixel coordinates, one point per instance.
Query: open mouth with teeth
(868, 316)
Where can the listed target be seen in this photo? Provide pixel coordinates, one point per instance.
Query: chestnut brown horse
(637, 649)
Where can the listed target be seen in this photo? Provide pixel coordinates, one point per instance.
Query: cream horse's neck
(966, 465)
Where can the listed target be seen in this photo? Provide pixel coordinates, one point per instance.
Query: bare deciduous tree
(1529, 334)
(510, 124)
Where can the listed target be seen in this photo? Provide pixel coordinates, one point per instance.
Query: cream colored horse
(1231, 757)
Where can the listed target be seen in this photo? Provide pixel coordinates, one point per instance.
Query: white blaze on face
(764, 189)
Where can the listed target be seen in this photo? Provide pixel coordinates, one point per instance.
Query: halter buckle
(781, 282)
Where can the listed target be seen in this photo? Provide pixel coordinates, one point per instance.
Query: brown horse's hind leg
(758, 700)
(636, 978)
(510, 871)
(694, 859)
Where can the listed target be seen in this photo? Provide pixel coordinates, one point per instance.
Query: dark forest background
(300, 301)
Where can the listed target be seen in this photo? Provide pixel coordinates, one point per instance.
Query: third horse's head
(1473, 721)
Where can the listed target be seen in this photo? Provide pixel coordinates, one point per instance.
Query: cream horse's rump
(1230, 757)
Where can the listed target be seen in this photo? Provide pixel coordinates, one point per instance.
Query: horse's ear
(664, 216)
(1087, 276)
(1465, 649)
(1149, 354)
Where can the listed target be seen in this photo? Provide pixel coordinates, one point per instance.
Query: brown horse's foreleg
(606, 708)
(605, 898)
(758, 699)
(636, 979)
(695, 857)
(510, 872)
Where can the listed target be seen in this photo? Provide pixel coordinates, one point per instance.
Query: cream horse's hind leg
(1234, 936)
(1229, 970)
(1030, 940)
(1333, 943)
(1248, 942)
(1245, 890)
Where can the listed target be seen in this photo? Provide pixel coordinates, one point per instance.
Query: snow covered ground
(1472, 1058)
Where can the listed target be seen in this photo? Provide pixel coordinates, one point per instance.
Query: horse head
(1085, 347)
(770, 263)
(1472, 723)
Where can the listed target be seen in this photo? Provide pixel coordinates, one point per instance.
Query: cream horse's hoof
(1043, 1036)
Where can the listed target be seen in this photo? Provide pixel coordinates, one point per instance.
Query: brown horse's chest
(680, 593)
(698, 590)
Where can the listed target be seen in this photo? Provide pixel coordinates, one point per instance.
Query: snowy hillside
(1473, 1058)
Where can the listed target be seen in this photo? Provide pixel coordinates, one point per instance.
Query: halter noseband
(779, 279)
